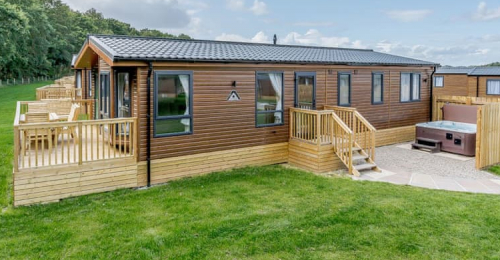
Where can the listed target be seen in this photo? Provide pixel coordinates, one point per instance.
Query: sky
(457, 33)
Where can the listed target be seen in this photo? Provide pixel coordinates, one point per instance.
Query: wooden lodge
(483, 82)
(153, 110)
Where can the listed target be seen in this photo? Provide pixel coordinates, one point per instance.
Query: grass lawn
(251, 213)
(495, 169)
(258, 213)
(8, 99)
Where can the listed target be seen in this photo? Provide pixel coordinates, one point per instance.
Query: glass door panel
(305, 90)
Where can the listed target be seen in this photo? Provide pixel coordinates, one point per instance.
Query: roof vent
(275, 39)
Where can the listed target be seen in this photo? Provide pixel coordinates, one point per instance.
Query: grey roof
(142, 48)
(454, 70)
(471, 71)
(486, 71)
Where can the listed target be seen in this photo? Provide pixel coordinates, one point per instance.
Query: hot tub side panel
(451, 141)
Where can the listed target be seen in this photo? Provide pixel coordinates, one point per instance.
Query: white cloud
(315, 38)
(491, 38)
(484, 14)
(314, 24)
(408, 15)
(260, 37)
(235, 5)
(259, 8)
(454, 55)
(312, 37)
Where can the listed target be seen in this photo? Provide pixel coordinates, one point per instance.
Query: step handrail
(364, 134)
(342, 140)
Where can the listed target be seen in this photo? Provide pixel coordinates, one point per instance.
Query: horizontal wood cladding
(50, 185)
(454, 85)
(163, 170)
(314, 158)
(222, 125)
(394, 135)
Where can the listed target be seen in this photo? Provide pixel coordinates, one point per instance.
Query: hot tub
(455, 137)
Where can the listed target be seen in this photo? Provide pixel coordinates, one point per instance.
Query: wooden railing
(58, 93)
(440, 101)
(342, 139)
(363, 131)
(72, 143)
(312, 126)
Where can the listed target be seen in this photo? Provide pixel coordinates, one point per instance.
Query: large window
(493, 87)
(269, 98)
(410, 87)
(438, 81)
(377, 88)
(173, 99)
(344, 89)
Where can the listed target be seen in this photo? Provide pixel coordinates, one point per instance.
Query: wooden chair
(37, 107)
(70, 131)
(33, 135)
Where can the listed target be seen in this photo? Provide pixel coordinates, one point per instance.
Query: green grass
(251, 213)
(258, 213)
(8, 99)
(495, 169)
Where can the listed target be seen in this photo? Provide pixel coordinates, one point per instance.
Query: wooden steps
(431, 145)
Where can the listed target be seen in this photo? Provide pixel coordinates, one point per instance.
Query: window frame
(339, 74)
(156, 117)
(381, 88)
(487, 92)
(257, 125)
(411, 87)
(296, 87)
(434, 81)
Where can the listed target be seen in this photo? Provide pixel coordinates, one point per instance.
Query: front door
(104, 90)
(305, 90)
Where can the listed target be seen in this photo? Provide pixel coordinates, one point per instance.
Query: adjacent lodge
(162, 109)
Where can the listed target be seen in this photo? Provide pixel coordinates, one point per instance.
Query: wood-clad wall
(482, 85)
(222, 125)
(454, 85)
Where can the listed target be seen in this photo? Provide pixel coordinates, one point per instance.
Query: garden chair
(36, 135)
(70, 131)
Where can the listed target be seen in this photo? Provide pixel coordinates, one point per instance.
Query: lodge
(157, 109)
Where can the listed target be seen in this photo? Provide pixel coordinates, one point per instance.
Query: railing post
(16, 149)
(350, 154)
(136, 137)
(80, 141)
(318, 128)
(291, 122)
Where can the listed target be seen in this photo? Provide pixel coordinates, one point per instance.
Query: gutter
(148, 117)
(432, 90)
(477, 86)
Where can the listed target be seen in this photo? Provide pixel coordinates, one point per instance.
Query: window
(377, 88)
(305, 90)
(493, 87)
(269, 98)
(173, 103)
(410, 87)
(344, 89)
(438, 81)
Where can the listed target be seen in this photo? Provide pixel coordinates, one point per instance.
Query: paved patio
(443, 171)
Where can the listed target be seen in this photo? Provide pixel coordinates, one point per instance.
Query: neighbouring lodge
(170, 108)
(467, 81)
